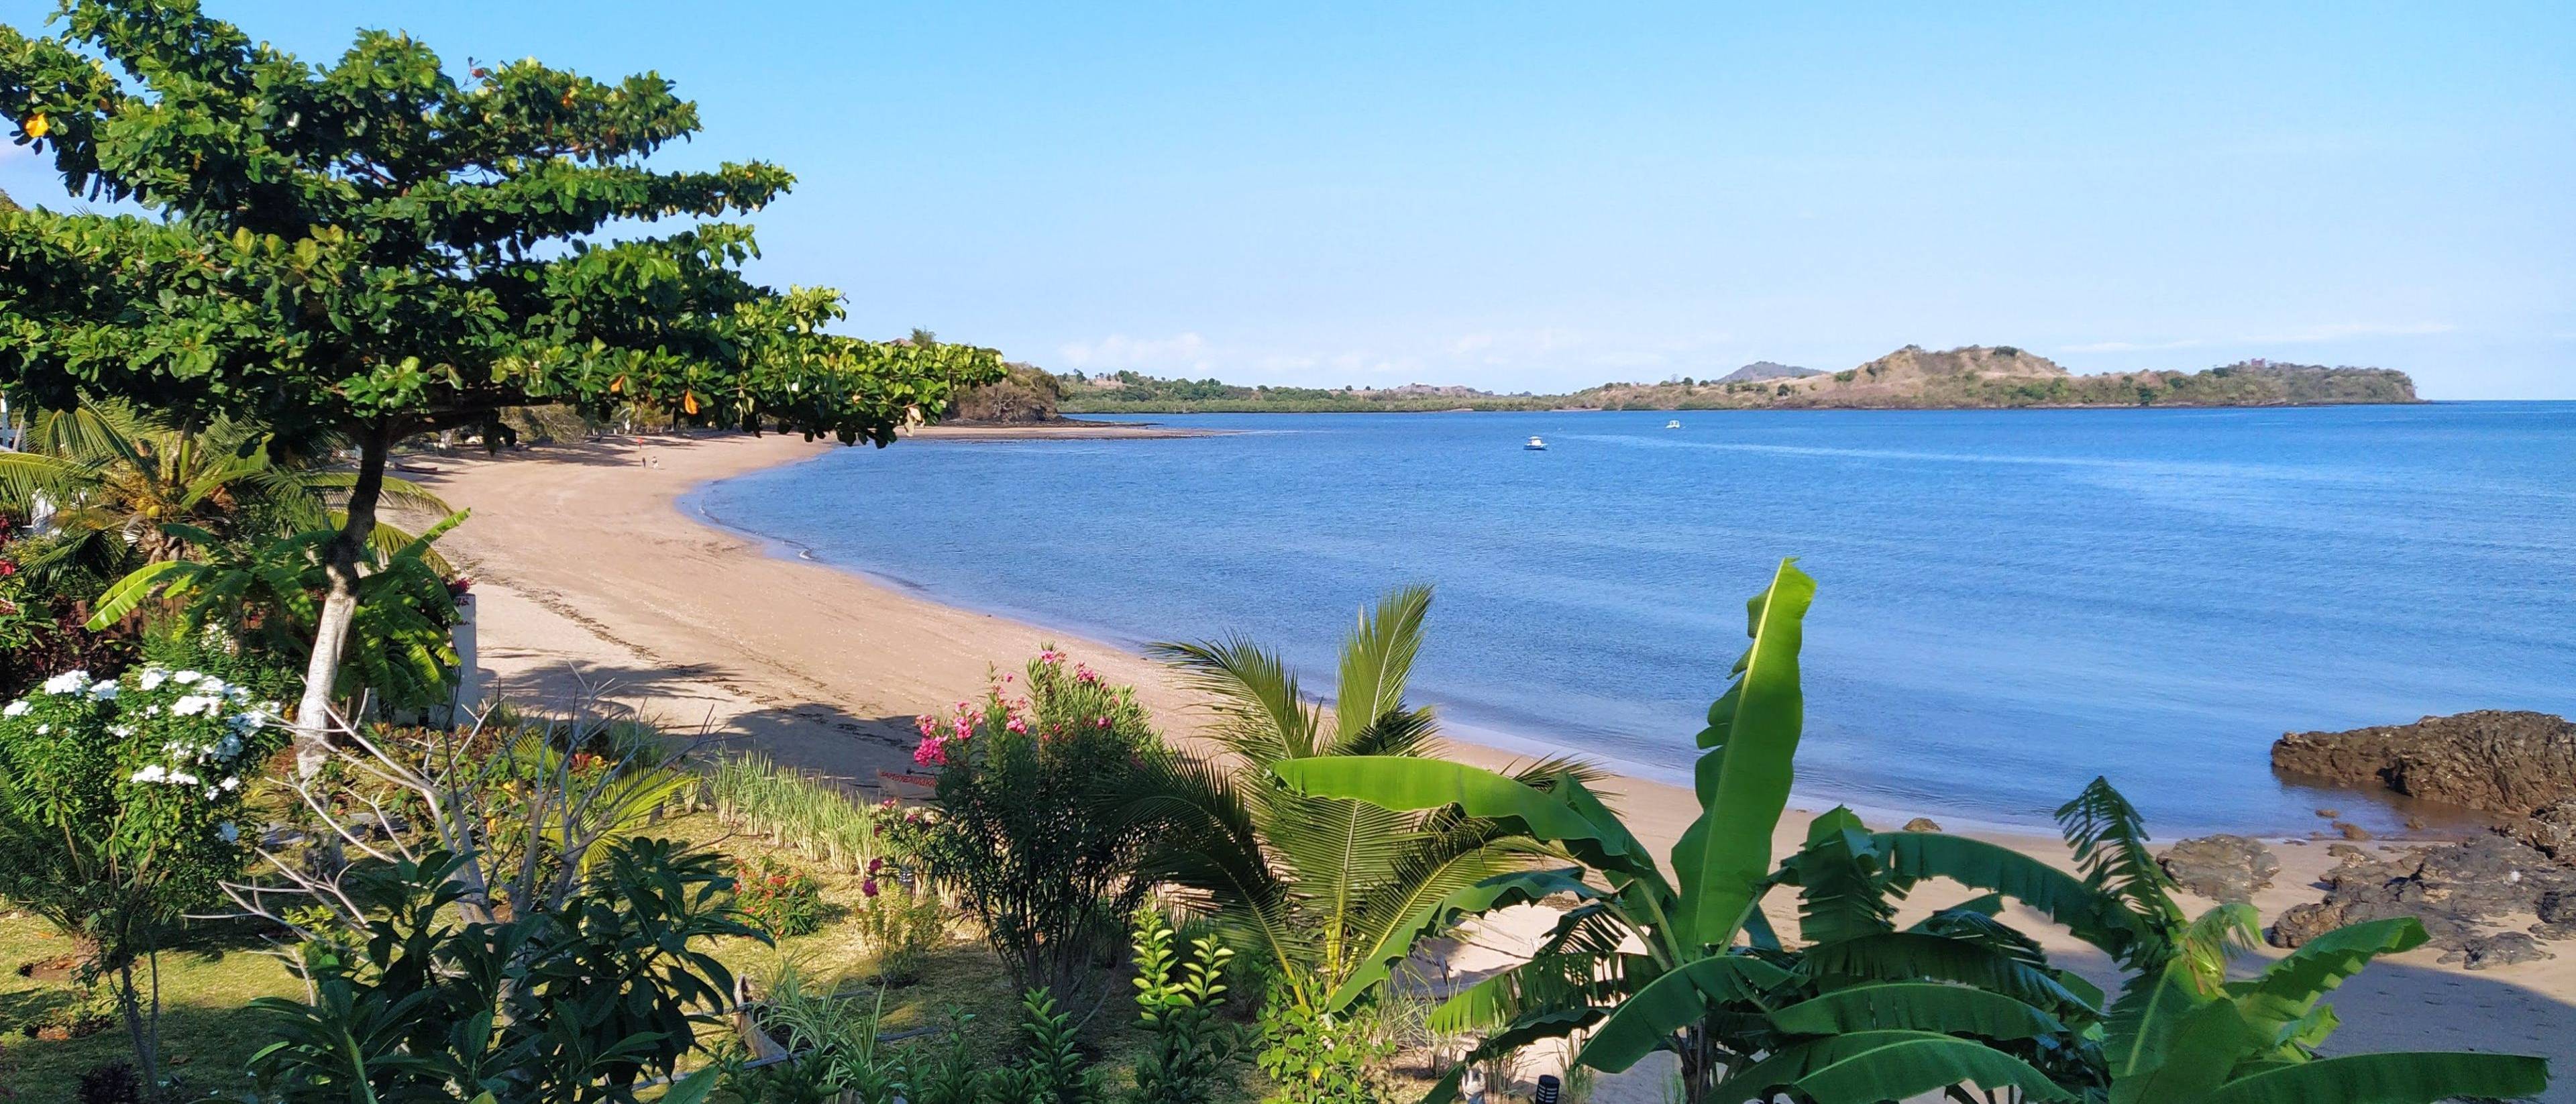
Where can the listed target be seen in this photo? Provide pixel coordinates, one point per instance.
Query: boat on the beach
(1536, 445)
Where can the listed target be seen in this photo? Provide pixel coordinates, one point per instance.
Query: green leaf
(137, 587)
(1407, 783)
(1871, 1067)
(1755, 729)
(1912, 956)
(2287, 989)
(1917, 1006)
(2088, 913)
(1503, 891)
(1669, 1003)
(2398, 1077)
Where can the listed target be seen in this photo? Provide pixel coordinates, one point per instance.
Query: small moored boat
(1536, 445)
(1674, 424)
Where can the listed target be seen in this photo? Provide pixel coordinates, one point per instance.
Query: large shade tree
(383, 246)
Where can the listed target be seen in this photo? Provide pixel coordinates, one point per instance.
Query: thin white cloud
(2341, 330)
(2338, 331)
(1180, 352)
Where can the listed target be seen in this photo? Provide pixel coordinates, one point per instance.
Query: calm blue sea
(2011, 601)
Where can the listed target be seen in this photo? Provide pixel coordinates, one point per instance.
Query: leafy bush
(1317, 1056)
(570, 1005)
(899, 925)
(118, 809)
(1177, 1004)
(782, 900)
(1029, 828)
(1052, 1070)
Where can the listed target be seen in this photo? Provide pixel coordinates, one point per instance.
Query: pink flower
(890, 802)
(1050, 657)
(1017, 725)
(964, 728)
(1104, 722)
(926, 723)
(931, 753)
(875, 865)
(868, 887)
(1083, 673)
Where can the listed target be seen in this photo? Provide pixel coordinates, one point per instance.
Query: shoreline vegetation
(1912, 378)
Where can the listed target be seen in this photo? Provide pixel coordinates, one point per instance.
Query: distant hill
(1766, 370)
(1980, 376)
(1970, 377)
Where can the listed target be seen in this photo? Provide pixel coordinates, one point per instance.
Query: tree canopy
(379, 246)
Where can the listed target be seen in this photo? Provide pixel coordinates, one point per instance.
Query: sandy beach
(586, 573)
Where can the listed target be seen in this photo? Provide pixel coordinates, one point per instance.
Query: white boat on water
(1536, 445)
(1674, 424)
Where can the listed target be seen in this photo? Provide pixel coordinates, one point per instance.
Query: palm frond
(1377, 659)
(2109, 839)
(1265, 718)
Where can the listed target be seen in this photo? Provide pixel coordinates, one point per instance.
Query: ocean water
(2010, 602)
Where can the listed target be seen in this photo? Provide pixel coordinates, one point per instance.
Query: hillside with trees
(1911, 378)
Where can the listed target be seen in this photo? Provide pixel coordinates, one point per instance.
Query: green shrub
(1029, 826)
(1321, 1057)
(780, 899)
(899, 926)
(1177, 1006)
(570, 1005)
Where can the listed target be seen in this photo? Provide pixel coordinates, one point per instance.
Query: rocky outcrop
(2221, 867)
(2461, 892)
(2514, 763)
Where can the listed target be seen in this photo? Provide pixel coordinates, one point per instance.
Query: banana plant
(1862, 1012)
(1643, 961)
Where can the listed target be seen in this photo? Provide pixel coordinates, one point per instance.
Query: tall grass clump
(826, 824)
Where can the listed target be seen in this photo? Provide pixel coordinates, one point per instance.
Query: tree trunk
(143, 1032)
(340, 559)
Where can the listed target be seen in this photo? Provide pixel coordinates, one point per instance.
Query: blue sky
(1549, 196)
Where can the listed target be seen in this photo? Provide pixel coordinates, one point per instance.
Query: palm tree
(115, 479)
(1328, 893)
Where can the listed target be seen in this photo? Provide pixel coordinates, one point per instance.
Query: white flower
(230, 784)
(69, 682)
(16, 708)
(103, 690)
(228, 832)
(194, 704)
(183, 678)
(183, 778)
(44, 729)
(120, 730)
(152, 773)
(153, 677)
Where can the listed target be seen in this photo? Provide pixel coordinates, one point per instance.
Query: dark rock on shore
(2550, 829)
(2458, 891)
(2493, 760)
(2221, 867)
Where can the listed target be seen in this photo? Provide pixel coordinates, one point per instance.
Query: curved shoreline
(579, 565)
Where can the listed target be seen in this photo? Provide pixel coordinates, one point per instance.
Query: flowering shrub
(780, 899)
(135, 784)
(1028, 827)
(120, 801)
